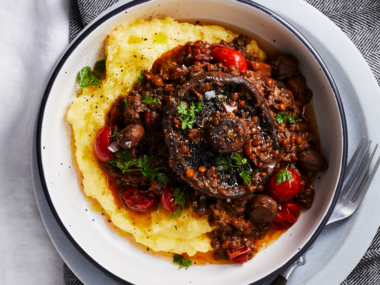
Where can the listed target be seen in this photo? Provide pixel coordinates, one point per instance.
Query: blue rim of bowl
(123, 8)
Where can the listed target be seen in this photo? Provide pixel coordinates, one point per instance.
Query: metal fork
(348, 201)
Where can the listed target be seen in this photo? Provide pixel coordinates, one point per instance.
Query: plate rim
(100, 20)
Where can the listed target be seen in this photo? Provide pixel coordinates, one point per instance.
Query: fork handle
(280, 280)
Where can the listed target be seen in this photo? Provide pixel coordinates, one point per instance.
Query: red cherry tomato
(102, 142)
(139, 200)
(167, 199)
(283, 192)
(239, 255)
(229, 57)
(284, 219)
(241, 258)
(149, 117)
(292, 207)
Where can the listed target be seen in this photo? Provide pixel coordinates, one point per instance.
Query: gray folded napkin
(358, 19)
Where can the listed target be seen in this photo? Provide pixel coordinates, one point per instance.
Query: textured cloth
(356, 18)
(33, 34)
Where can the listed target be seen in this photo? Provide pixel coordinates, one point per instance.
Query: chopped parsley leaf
(181, 261)
(179, 200)
(115, 130)
(86, 77)
(283, 175)
(124, 162)
(126, 103)
(182, 108)
(187, 123)
(148, 99)
(193, 111)
(177, 213)
(239, 160)
(100, 66)
(147, 171)
(291, 119)
(224, 162)
(161, 177)
(246, 176)
(140, 77)
(282, 117)
(188, 114)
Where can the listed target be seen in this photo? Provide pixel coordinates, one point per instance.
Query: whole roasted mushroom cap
(223, 135)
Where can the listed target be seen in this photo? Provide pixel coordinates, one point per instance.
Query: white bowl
(87, 230)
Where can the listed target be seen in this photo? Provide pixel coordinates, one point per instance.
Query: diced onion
(210, 94)
(128, 144)
(114, 147)
(229, 108)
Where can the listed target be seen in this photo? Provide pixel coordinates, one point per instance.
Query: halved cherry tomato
(167, 199)
(284, 219)
(102, 142)
(292, 207)
(283, 192)
(139, 200)
(149, 117)
(239, 255)
(229, 57)
(241, 258)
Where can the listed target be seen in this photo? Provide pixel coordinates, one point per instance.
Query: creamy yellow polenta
(130, 48)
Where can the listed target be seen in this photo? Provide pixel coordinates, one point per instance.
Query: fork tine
(355, 188)
(352, 160)
(356, 170)
(367, 184)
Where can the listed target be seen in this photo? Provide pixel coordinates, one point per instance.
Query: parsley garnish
(140, 77)
(283, 175)
(291, 119)
(239, 160)
(124, 162)
(224, 162)
(182, 108)
(181, 261)
(115, 130)
(187, 115)
(100, 66)
(179, 200)
(148, 99)
(282, 117)
(161, 177)
(246, 176)
(126, 103)
(86, 77)
(147, 171)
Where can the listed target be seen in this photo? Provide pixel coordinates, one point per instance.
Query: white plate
(277, 3)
